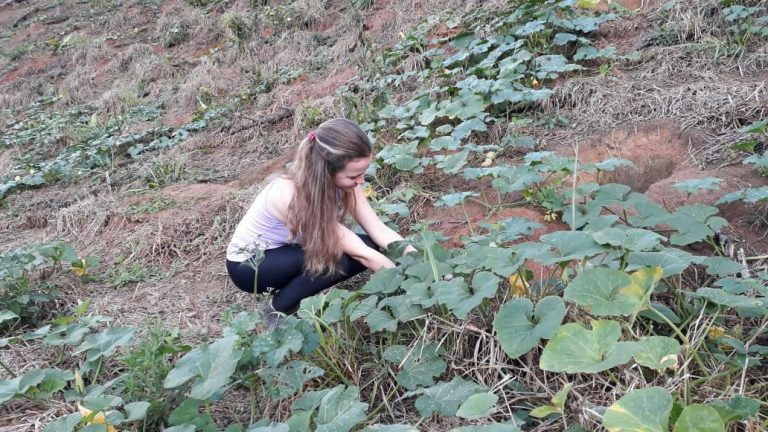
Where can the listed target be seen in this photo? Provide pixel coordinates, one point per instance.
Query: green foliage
(146, 367)
(558, 403)
(519, 328)
(177, 34)
(645, 410)
(211, 367)
(103, 344)
(125, 274)
(37, 384)
(475, 103)
(658, 352)
(446, 397)
(240, 28)
(94, 144)
(575, 349)
(418, 365)
(24, 280)
(608, 292)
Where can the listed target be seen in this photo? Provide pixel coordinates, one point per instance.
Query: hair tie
(312, 136)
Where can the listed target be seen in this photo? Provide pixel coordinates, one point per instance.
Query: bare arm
(353, 246)
(363, 213)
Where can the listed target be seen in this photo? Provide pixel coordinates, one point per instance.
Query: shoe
(272, 318)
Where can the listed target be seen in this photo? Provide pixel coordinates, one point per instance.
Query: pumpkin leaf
(645, 410)
(575, 349)
(519, 328)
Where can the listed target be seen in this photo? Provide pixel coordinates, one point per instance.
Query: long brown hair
(315, 210)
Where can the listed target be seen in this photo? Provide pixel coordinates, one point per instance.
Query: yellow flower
(368, 191)
(716, 332)
(518, 286)
(99, 418)
(80, 268)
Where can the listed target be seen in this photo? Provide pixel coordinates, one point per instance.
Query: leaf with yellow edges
(609, 292)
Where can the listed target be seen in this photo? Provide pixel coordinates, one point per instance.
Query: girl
(296, 220)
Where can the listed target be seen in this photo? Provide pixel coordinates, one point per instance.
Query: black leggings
(282, 271)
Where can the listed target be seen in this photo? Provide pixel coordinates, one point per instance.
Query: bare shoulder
(278, 197)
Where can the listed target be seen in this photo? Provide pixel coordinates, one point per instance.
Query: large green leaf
(511, 229)
(699, 418)
(724, 298)
(658, 352)
(326, 308)
(644, 410)
(736, 408)
(501, 261)
(66, 423)
(275, 346)
(456, 295)
(453, 163)
(136, 410)
(211, 366)
(672, 260)
(286, 380)
(446, 397)
(6, 315)
(477, 406)
(268, 427)
(633, 239)
(609, 292)
(519, 328)
(340, 410)
(466, 128)
(453, 199)
(571, 245)
(418, 365)
(694, 223)
(35, 384)
(465, 107)
(187, 415)
(105, 343)
(575, 349)
(694, 185)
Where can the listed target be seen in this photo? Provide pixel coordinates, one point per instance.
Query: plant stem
(7, 369)
(685, 340)
(701, 380)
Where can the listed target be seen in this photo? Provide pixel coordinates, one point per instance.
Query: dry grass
(709, 102)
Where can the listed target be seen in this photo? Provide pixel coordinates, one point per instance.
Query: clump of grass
(176, 35)
(18, 52)
(146, 367)
(239, 27)
(153, 205)
(125, 274)
(164, 171)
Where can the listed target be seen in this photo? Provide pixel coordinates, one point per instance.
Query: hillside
(585, 183)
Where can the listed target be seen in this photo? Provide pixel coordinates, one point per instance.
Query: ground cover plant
(598, 308)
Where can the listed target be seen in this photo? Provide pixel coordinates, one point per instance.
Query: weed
(25, 277)
(310, 115)
(18, 52)
(362, 4)
(146, 367)
(164, 171)
(240, 27)
(176, 35)
(153, 205)
(125, 274)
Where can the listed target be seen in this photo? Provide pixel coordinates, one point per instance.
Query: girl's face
(352, 174)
